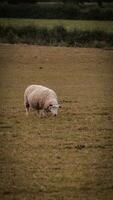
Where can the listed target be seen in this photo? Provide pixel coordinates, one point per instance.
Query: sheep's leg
(27, 111)
(27, 108)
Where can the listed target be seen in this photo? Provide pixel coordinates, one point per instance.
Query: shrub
(54, 36)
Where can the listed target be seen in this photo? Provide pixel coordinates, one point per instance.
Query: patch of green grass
(83, 25)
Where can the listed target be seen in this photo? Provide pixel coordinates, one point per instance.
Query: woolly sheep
(41, 99)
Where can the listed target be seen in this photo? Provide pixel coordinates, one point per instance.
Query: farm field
(106, 26)
(66, 157)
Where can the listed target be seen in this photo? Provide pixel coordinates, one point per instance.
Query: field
(83, 25)
(66, 157)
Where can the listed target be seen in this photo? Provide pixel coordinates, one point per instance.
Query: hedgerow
(57, 35)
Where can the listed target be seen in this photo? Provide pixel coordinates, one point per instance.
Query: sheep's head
(53, 108)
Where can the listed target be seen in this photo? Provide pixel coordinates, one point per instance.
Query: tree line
(99, 2)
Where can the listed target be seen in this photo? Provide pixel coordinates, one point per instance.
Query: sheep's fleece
(41, 99)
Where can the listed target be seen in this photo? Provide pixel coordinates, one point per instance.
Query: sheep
(42, 99)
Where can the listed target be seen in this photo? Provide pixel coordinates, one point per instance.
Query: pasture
(64, 158)
(82, 25)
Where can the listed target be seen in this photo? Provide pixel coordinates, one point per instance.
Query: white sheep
(41, 99)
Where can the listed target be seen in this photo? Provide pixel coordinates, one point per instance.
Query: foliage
(57, 35)
(100, 2)
(57, 11)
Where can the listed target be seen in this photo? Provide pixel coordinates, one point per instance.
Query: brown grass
(64, 158)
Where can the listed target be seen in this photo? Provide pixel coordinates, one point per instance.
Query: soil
(66, 157)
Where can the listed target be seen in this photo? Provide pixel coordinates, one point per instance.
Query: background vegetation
(57, 35)
(60, 34)
(81, 25)
(57, 10)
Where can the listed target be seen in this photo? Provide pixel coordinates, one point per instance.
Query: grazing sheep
(41, 99)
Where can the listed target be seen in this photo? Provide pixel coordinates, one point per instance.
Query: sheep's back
(38, 98)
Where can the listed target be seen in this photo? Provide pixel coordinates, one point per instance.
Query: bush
(54, 36)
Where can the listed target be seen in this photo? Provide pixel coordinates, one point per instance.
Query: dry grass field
(68, 157)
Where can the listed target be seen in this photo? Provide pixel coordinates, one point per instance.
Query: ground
(66, 157)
